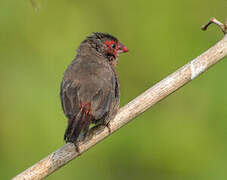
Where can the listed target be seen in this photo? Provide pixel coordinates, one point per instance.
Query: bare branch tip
(213, 20)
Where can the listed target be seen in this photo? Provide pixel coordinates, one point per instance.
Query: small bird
(90, 89)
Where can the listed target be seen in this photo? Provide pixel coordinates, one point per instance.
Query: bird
(90, 89)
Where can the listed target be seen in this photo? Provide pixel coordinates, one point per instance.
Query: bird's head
(107, 45)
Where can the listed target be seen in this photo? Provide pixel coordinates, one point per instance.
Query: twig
(140, 104)
(213, 20)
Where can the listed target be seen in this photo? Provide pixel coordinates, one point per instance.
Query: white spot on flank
(197, 69)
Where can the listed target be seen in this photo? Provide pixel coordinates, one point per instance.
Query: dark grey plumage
(90, 90)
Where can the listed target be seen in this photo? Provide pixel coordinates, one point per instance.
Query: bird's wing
(69, 99)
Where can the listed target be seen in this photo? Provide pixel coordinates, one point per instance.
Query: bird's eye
(114, 46)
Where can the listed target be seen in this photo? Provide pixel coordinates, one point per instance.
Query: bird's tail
(78, 124)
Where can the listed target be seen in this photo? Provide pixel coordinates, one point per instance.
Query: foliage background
(183, 137)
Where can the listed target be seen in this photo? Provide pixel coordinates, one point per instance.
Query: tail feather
(75, 126)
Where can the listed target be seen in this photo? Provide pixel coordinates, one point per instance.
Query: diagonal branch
(159, 91)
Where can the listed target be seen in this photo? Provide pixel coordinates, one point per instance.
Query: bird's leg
(105, 124)
(100, 126)
(108, 127)
(222, 26)
(77, 149)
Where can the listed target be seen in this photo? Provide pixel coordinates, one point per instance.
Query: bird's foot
(76, 147)
(108, 127)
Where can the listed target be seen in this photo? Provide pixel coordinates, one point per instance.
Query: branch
(133, 109)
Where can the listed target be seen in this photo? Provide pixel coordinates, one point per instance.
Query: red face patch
(115, 48)
(109, 42)
(112, 47)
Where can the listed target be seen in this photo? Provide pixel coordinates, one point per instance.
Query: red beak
(122, 49)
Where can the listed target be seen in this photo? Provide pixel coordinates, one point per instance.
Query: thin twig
(137, 106)
(213, 20)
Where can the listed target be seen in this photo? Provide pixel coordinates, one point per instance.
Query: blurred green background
(182, 137)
